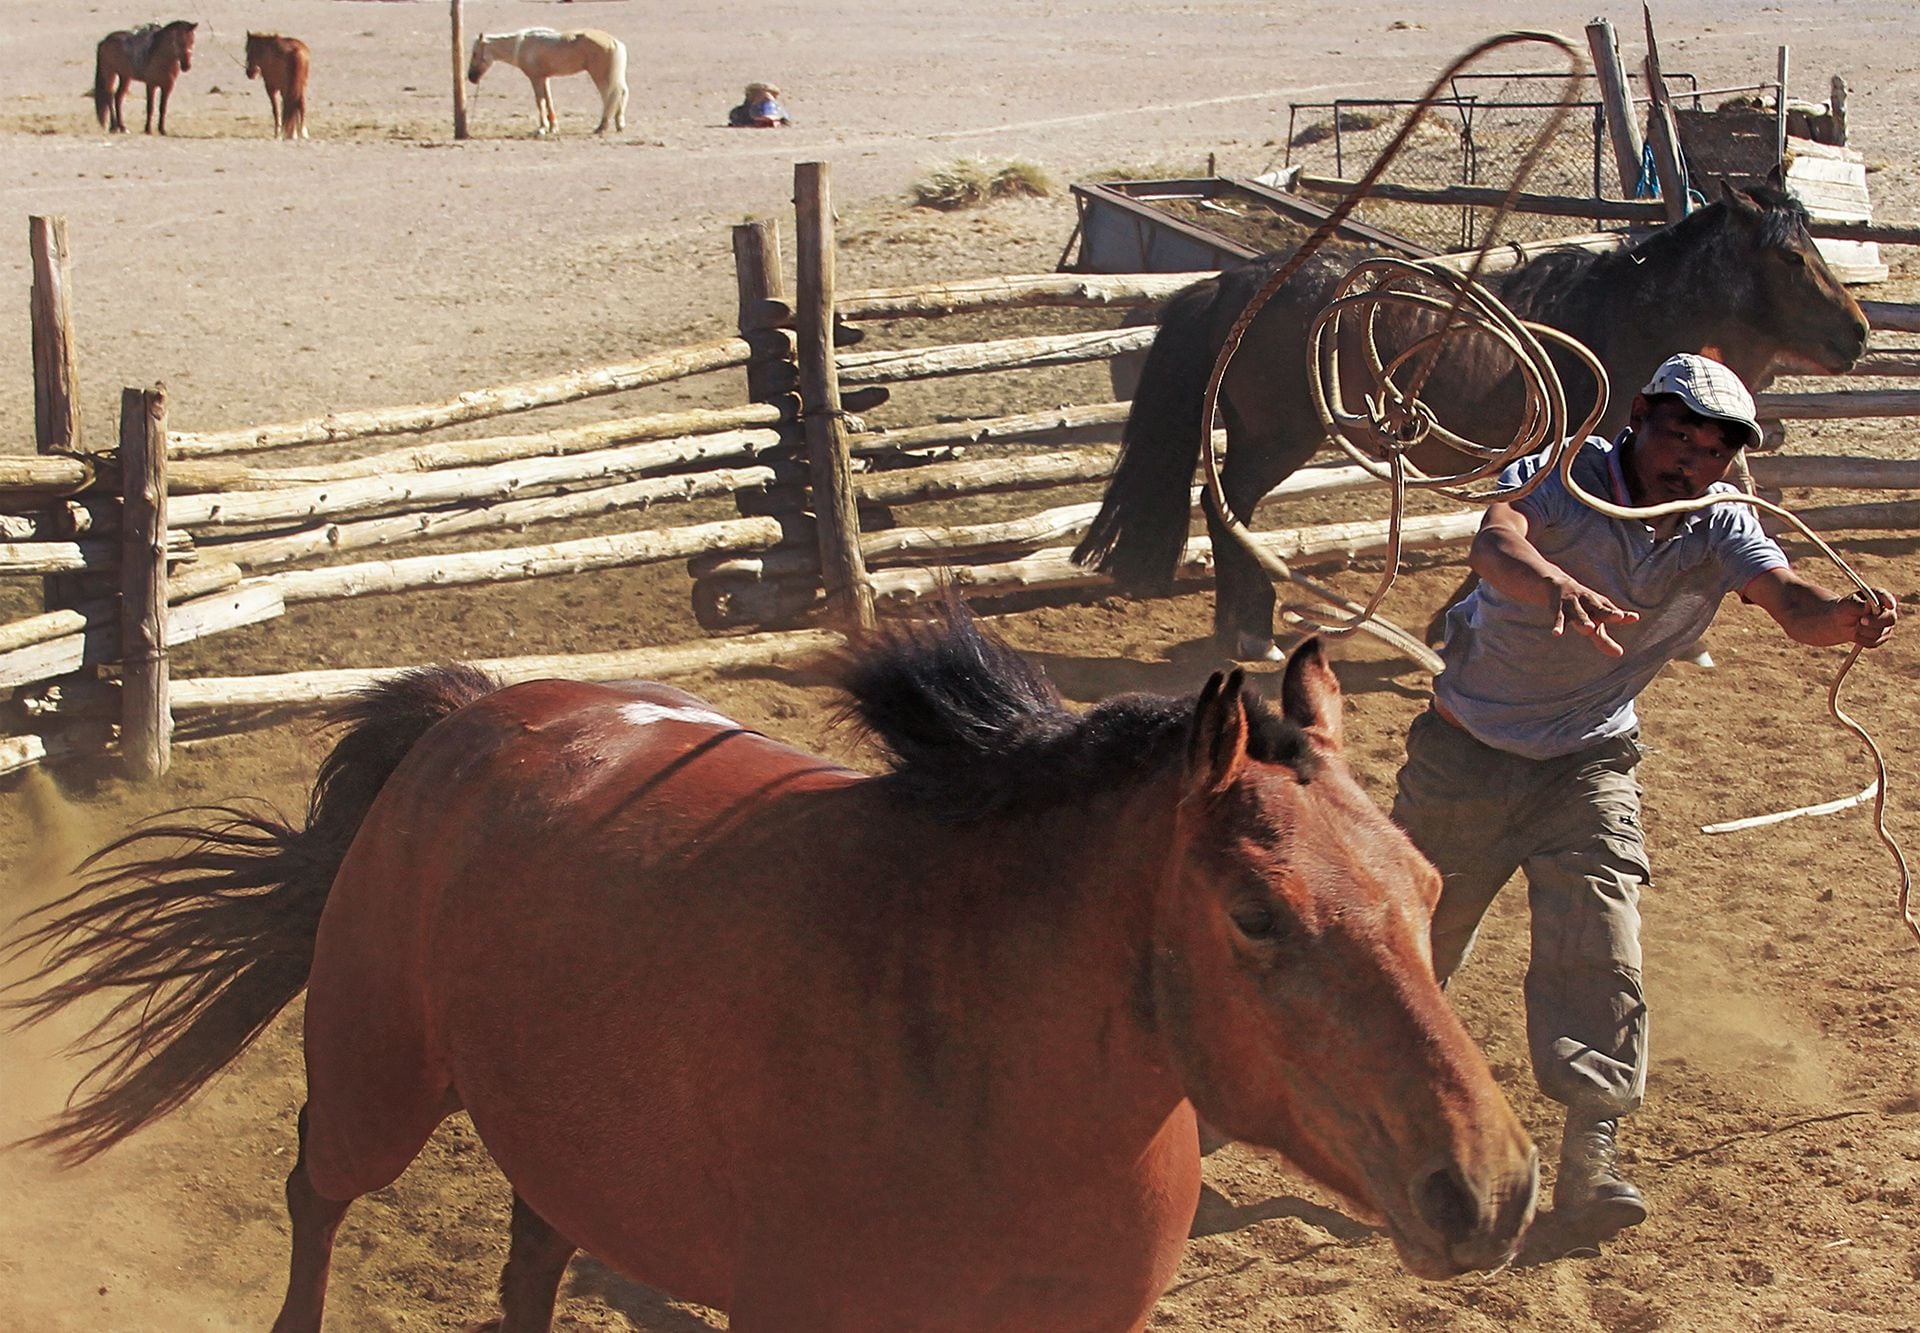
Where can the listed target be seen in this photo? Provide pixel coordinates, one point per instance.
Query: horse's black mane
(974, 729)
(1575, 275)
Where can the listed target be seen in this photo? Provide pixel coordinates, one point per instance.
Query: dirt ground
(380, 264)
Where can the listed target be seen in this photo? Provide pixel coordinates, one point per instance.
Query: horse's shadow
(642, 1305)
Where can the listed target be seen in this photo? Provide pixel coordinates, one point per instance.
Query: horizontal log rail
(497, 481)
(1847, 404)
(1015, 292)
(1486, 196)
(194, 476)
(81, 557)
(1893, 316)
(677, 363)
(320, 689)
(1057, 349)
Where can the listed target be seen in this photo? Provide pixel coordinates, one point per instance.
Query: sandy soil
(379, 264)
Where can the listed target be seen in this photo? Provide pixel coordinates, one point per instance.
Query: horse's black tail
(102, 98)
(1141, 528)
(204, 946)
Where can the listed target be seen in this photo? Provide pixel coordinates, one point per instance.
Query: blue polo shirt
(1516, 687)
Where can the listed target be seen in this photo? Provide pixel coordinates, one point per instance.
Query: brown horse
(281, 64)
(1740, 277)
(817, 1048)
(154, 54)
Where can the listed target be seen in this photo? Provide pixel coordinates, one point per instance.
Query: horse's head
(256, 49)
(1795, 300)
(183, 41)
(482, 58)
(1293, 980)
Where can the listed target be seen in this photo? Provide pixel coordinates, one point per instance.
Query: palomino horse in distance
(281, 65)
(1739, 278)
(542, 53)
(154, 54)
(820, 1049)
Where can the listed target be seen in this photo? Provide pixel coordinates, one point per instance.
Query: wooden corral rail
(232, 528)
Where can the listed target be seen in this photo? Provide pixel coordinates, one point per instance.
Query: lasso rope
(1396, 420)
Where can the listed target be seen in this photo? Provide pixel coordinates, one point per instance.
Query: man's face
(1676, 455)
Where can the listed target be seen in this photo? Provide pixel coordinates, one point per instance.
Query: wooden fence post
(1617, 103)
(56, 387)
(146, 724)
(771, 374)
(1663, 133)
(849, 592)
(1780, 112)
(459, 73)
(56, 383)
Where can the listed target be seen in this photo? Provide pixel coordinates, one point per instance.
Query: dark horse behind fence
(1739, 279)
(281, 65)
(153, 53)
(821, 1049)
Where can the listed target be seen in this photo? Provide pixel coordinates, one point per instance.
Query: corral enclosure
(262, 281)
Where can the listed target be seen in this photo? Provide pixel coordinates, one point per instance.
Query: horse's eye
(1793, 258)
(1255, 920)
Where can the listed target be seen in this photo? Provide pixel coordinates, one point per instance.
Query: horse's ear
(1776, 177)
(1738, 199)
(1310, 695)
(1217, 745)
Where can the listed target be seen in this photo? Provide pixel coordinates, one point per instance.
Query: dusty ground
(379, 264)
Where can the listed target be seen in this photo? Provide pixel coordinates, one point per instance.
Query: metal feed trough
(1155, 226)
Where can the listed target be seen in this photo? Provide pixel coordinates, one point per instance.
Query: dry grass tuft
(970, 182)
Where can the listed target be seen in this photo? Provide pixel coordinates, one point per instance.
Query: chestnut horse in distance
(817, 1048)
(153, 53)
(281, 64)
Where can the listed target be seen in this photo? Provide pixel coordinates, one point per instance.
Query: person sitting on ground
(760, 110)
(1526, 757)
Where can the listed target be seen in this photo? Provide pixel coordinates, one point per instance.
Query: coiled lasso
(1395, 420)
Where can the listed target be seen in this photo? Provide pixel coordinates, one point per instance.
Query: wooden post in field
(1617, 102)
(849, 593)
(1837, 109)
(1780, 112)
(763, 309)
(56, 383)
(56, 386)
(459, 73)
(1663, 133)
(146, 724)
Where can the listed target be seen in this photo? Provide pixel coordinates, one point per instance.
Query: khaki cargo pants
(1573, 825)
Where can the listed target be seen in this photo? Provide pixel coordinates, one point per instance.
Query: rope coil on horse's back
(1395, 419)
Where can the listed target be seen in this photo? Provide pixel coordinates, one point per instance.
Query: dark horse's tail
(102, 98)
(1141, 528)
(203, 947)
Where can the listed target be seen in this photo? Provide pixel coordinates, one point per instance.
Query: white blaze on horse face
(643, 713)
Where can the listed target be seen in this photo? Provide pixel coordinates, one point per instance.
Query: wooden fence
(175, 536)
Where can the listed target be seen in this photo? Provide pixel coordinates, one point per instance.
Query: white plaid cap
(1707, 387)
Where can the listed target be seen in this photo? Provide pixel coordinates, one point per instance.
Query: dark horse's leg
(120, 104)
(537, 1258)
(163, 120)
(315, 1219)
(166, 93)
(1244, 597)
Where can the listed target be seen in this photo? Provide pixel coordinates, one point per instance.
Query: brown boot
(1589, 1193)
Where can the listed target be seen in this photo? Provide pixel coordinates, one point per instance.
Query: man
(1526, 759)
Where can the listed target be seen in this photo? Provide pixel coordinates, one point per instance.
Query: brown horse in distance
(820, 1049)
(281, 64)
(153, 53)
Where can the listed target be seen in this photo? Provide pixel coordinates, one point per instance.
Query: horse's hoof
(1257, 648)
